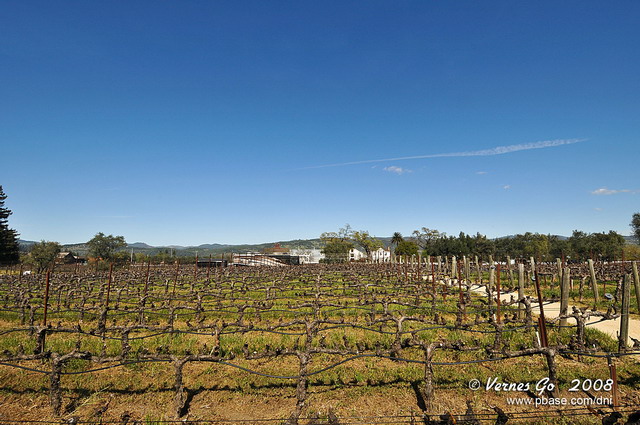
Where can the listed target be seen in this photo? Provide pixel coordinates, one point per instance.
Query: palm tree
(396, 238)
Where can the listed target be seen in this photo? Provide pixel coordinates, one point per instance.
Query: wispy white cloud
(498, 150)
(115, 216)
(605, 191)
(397, 170)
(481, 173)
(506, 187)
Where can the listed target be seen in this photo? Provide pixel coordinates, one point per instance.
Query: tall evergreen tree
(635, 226)
(9, 249)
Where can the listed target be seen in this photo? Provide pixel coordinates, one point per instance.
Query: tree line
(580, 246)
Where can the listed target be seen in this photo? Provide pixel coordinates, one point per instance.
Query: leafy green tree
(337, 251)
(103, 246)
(9, 249)
(429, 240)
(43, 255)
(609, 245)
(579, 245)
(407, 248)
(559, 248)
(635, 225)
(425, 236)
(631, 252)
(141, 257)
(337, 245)
(366, 241)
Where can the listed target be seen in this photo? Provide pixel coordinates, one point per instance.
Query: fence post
(175, 281)
(636, 282)
(614, 377)
(594, 282)
(492, 280)
(454, 269)
(467, 270)
(106, 304)
(520, 289)
(498, 292)
(195, 272)
(46, 300)
(542, 324)
(42, 334)
(533, 266)
(564, 295)
(624, 317)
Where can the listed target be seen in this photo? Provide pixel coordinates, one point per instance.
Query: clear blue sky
(202, 122)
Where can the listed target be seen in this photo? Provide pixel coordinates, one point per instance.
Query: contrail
(498, 150)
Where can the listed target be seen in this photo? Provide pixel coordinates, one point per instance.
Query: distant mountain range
(216, 248)
(183, 251)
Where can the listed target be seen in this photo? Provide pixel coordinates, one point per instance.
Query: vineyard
(338, 344)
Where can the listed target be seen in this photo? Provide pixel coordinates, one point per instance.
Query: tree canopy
(104, 247)
(367, 242)
(580, 246)
(338, 244)
(9, 248)
(43, 255)
(635, 226)
(406, 248)
(396, 238)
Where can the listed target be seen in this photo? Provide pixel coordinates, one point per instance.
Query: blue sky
(203, 122)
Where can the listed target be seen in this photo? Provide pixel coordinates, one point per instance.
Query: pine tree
(9, 249)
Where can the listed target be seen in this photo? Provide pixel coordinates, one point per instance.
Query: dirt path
(552, 310)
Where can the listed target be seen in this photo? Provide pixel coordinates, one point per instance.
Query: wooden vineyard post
(209, 269)
(467, 270)
(106, 304)
(509, 271)
(462, 304)
(533, 266)
(175, 280)
(624, 317)
(492, 282)
(564, 295)
(454, 269)
(43, 333)
(520, 289)
(498, 297)
(636, 283)
(542, 324)
(614, 377)
(46, 300)
(146, 280)
(594, 282)
(195, 272)
(433, 278)
(478, 275)
(559, 265)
